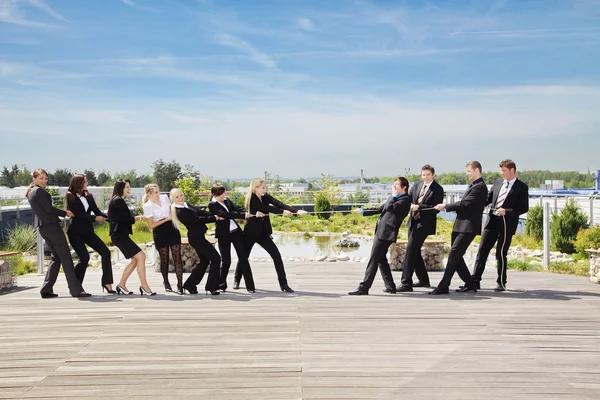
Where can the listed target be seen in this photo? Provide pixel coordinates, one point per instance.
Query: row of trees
(166, 173)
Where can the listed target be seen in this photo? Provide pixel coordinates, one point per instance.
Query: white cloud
(305, 24)
(246, 48)
(12, 12)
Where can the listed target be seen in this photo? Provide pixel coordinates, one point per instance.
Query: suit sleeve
(436, 198)
(203, 217)
(401, 209)
(121, 212)
(95, 208)
(79, 212)
(523, 205)
(490, 196)
(471, 199)
(237, 211)
(372, 211)
(45, 201)
(216, 209)
(272, 200)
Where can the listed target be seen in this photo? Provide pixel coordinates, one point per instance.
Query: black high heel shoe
(286, 288)
(120, 290)
(145, 292)
(236, 285)
(167, 286)
(179, 289)
(109, 291)
(213, 292)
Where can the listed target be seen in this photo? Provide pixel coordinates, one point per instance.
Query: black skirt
(125, 244)
(166, 235)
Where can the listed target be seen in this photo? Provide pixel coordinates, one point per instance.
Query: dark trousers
(378, 260)
(61, 255)
(270, 247)
(78, 242)
(456, 262)
(413, 260)
(493, 232)
(237, 239)
(208, 255)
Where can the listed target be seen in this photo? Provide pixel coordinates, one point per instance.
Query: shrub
(524, 266)
(587, 239)
(20, 266)
(534, 223)
(22, 238)
(322, 203)
(565, 226)
(526, 241)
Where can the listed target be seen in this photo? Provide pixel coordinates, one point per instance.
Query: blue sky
(297, 88)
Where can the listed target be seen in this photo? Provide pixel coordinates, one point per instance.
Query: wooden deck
(318, 343)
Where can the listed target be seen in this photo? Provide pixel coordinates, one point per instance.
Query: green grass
(21, 238)
(579, 268)
(527, 242)
(20, 266)
(141, 233)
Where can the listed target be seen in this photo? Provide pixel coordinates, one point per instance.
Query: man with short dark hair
(424, 195)
(393, 212)
(509, 198)
(467, 225)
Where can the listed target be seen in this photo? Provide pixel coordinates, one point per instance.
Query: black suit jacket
(393, 212)
(41, 204)
(121, 218)
(261, 227)
(222, 228)
(83, 221)
(194, 219)
(469, 209)
(427, 219)
(515, 204)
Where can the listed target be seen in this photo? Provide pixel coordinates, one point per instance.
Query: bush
(22, 238)
(20, 266)
(322, 203)
(565, 226)
(534, 225)
(524, 266)
(587, 239)
(578, 268)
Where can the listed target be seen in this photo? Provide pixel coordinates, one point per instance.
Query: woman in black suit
(81, 230)
(195, 221)
(228, 232)
(121, 221)
(258, 228)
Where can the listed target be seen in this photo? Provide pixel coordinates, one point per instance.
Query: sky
(300, 87)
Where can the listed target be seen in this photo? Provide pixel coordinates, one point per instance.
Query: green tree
(534, 223)
(322, 205)
(166, 173)
(189, 186)
(565, 226)
(360, 196)
(329, 188)
(60, 177)
(105, 179)
(91, 177)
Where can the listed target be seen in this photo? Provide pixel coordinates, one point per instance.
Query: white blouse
(84, 201)
(157, 212)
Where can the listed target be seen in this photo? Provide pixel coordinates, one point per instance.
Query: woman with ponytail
(157, 211)
(48, 224)
(195, 221)
(81, 230)
(121, 222)
(258, 228)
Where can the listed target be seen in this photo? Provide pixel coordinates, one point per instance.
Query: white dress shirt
(157, 212)
(84, 201)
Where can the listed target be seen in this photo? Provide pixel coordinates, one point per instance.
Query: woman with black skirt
(157, 211)
(81, 230)
(258, 228)
(195, 221)
(121, 222)
(228, 232)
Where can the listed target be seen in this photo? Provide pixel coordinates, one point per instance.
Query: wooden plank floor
(318, 343)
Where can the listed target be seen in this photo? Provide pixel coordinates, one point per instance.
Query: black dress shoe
(223, 287)
(404, 288)
(251, 290)
(84, 294)
(466, 288)
(439, 291)
(213, 292)
(476, 285)
(358, 292)
(236, 284)
(46, 295)
(390, 291)
(190, 289)
(419, 284)
(500, 288)
(287, 289)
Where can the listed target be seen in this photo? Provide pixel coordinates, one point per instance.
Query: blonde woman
(121, 222)
(157, 211)
(195, 221)
(258, 228)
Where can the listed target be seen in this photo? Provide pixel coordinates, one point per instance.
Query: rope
(503, 264)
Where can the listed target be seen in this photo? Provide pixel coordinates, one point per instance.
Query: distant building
(552, 185)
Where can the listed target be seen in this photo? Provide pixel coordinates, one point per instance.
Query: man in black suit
(509, 198)
(422, 222)
(469, 212)
(393, 212)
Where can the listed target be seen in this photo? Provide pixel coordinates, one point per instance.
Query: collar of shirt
(399, 195)
(510, 183)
